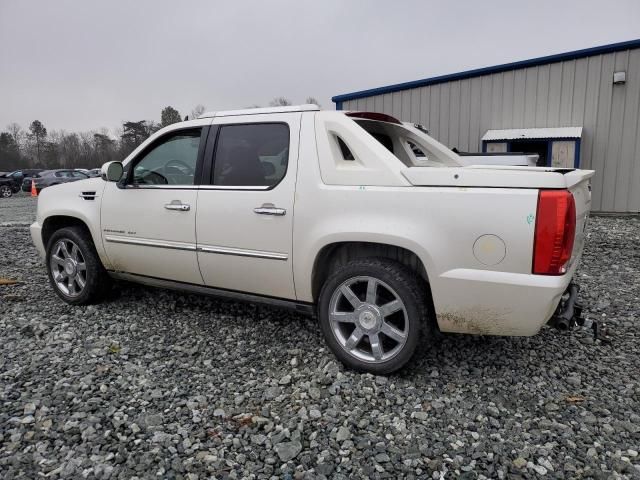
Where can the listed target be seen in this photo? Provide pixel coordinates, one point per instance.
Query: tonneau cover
(496, 176)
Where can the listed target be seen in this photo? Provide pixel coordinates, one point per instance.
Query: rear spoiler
(575, 177)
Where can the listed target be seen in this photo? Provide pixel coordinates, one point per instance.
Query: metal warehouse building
(578, 108)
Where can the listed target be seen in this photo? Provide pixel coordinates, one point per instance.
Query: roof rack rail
(309, 107)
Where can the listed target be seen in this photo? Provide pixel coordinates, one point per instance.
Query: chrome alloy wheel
(5, 191)
(68, 268)
(368, 319)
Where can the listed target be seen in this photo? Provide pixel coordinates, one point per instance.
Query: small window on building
(346, 153)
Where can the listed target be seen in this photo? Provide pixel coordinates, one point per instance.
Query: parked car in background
(17, 177)
(47, 178)
(94, 172)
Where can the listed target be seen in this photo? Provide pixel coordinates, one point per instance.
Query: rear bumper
(497, 303)
(36, 237)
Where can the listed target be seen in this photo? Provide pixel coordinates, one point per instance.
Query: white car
(330, 213)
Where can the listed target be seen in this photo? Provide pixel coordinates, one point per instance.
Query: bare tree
(197, 111)
(16, 132)
(313, 100)
(280, 102)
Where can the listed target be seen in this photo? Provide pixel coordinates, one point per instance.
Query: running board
(300, 307)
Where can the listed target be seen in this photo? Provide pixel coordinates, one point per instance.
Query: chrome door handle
(182, 207)
(270, 209)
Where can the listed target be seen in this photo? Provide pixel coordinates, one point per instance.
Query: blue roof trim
(560, 57)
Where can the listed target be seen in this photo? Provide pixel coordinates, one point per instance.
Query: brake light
(555, 232)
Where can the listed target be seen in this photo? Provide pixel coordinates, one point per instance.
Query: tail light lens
(555, 232)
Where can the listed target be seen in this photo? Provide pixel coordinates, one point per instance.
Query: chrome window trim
(147, 242)
(232, 187)
(242, 252)
(160, 187)
(195, 187)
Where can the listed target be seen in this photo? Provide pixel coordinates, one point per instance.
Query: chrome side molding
(147, 242)
(240, 252)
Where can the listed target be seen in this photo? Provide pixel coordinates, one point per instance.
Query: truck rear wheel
(75, 270)
(372, 313)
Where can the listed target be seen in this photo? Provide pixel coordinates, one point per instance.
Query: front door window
(170, 162)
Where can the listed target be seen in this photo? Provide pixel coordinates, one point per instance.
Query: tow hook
(569, 315)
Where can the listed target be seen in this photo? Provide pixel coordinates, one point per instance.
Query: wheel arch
(334, 254)
(55, 222)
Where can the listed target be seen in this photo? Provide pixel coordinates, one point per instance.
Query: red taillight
(555, 232)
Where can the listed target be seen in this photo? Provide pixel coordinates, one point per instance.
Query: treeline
(35, 147)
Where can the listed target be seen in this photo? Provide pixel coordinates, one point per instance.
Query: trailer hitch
(569, 315)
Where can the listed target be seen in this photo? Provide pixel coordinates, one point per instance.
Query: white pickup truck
(363, 220)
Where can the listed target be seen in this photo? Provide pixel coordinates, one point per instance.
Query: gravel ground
(154, 384)
(18, 210)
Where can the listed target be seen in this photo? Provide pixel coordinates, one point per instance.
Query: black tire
(410, 289)
(98, 282)
(5, 191)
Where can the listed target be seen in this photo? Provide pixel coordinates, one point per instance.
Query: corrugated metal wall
(570, 93)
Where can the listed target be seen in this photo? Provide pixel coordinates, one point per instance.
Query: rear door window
(251, 155)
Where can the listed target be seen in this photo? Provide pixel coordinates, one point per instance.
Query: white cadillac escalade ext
(366, 221)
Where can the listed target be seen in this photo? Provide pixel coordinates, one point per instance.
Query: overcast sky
(80, 65)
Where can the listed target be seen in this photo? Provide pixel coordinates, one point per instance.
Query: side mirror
(112, 171)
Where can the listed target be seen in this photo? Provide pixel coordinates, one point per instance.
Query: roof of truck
(310, 107)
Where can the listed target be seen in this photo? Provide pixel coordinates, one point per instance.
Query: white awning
(531, 133)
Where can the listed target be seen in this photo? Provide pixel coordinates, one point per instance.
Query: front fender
(67, 200)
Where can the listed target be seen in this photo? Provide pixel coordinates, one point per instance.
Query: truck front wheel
(74, 268)
(372, 313)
